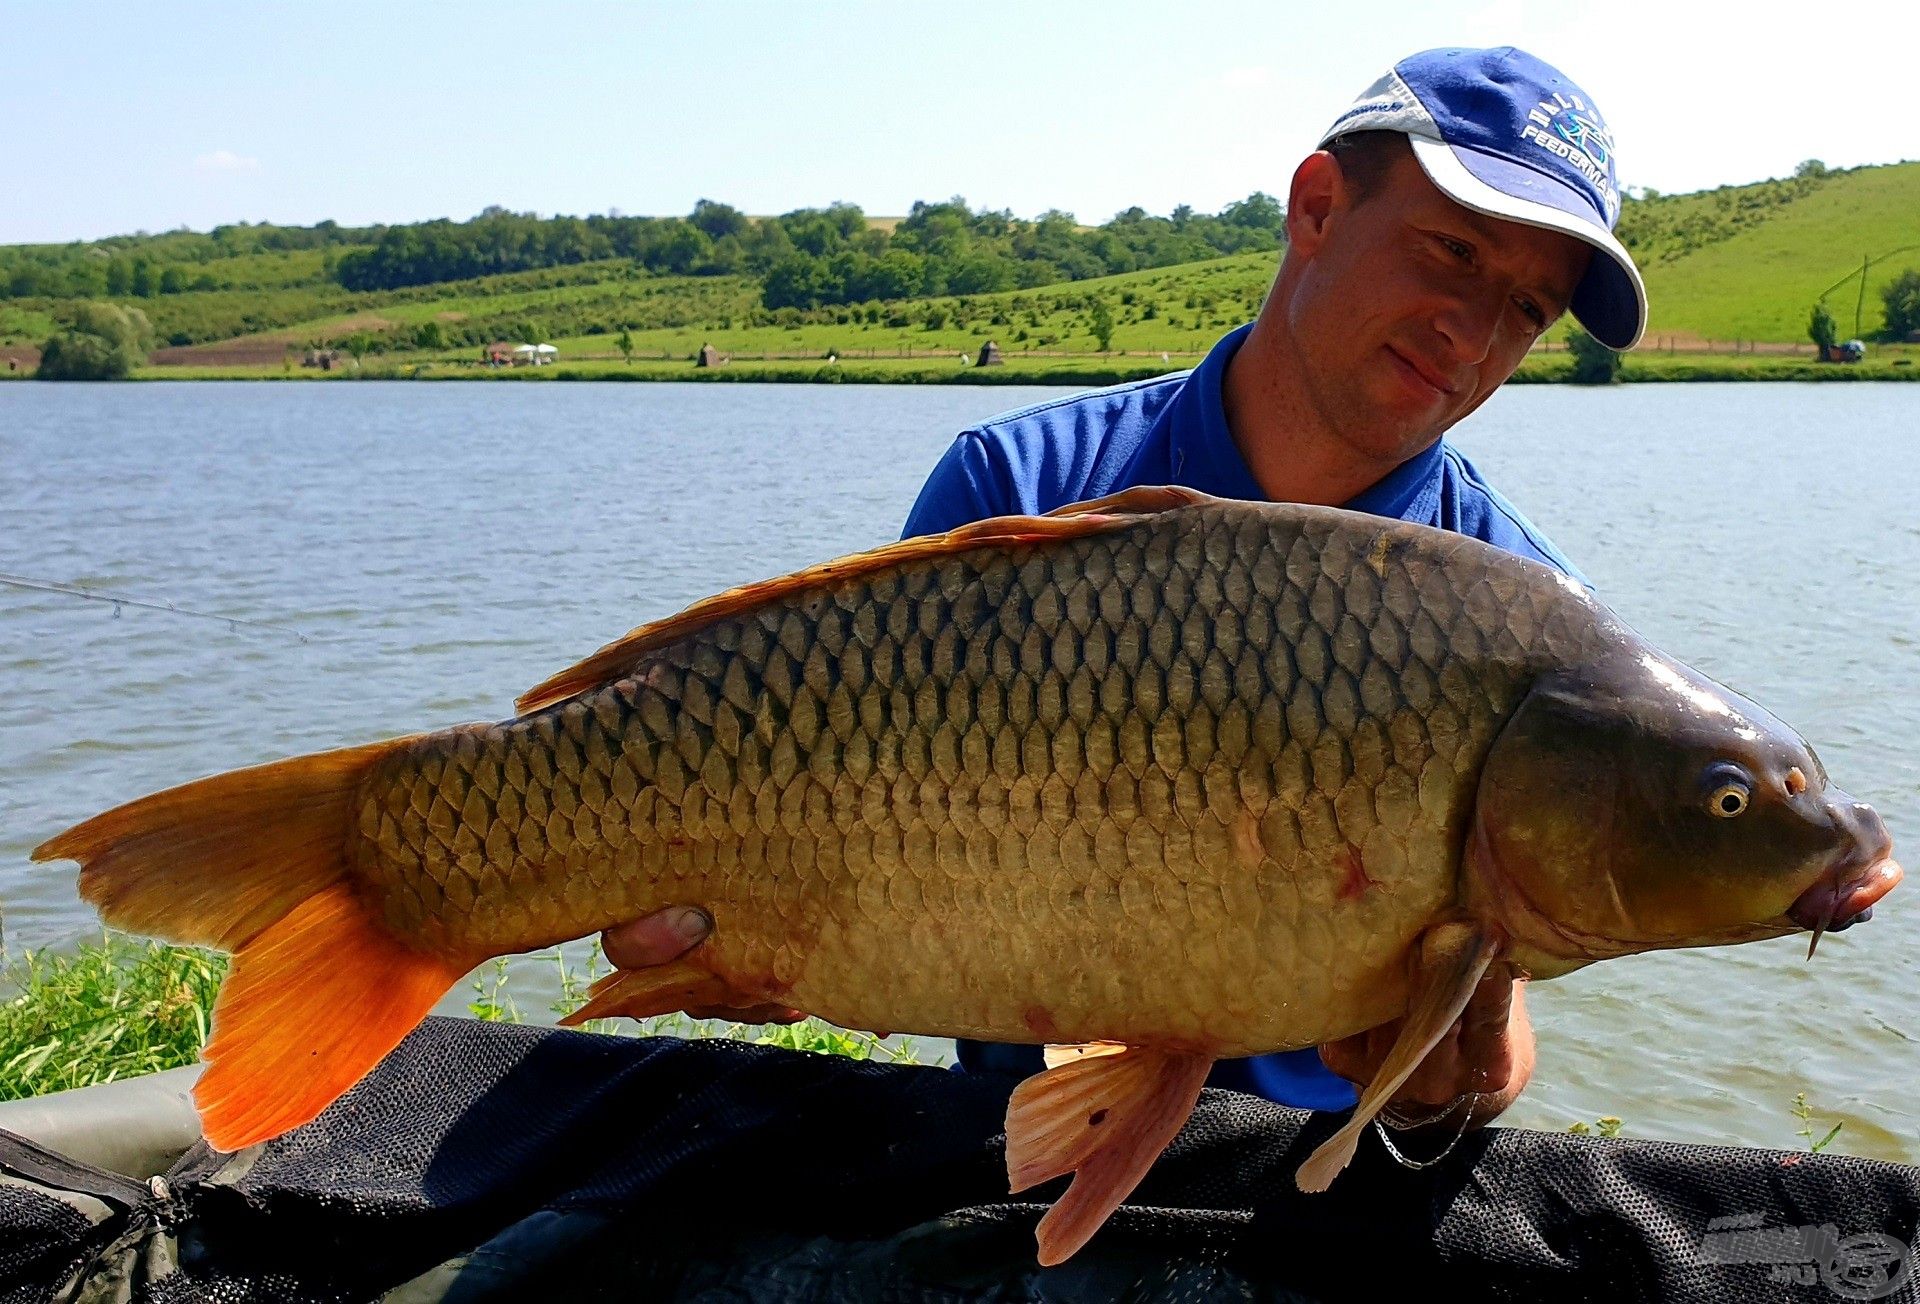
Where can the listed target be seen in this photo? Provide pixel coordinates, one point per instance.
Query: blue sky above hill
(147, 117)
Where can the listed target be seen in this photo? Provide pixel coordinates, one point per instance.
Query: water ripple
(445, 547)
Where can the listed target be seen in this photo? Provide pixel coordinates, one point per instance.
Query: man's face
(1411, 309)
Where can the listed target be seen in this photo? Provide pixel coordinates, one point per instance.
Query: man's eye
(1459, 249)
(1535, 313)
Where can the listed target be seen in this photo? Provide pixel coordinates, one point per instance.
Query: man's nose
(1468, 324)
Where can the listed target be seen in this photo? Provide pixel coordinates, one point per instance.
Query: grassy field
(1724, 267)
(1761, 283)
(1752, 277)
(1895, 363)
(22, 324)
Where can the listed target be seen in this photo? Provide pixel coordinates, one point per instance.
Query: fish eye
(1729, 791)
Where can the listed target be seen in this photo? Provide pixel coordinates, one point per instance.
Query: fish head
(1639, 805)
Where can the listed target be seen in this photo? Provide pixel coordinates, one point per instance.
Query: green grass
(123, 1007)
(1177, 310)
(1652, 366)
(1610, 1127)
(21, 323)
(1761, 283)
(1085, 370)
(1741, 263)
(109, 1011)
(273, 269)
(1192, 306)
(1738, 263)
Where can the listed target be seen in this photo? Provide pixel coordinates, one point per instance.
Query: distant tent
(990, 355)
(710, 357)
(535, 353)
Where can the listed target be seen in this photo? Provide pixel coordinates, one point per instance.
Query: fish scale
(1159, 779)
(1200, 780)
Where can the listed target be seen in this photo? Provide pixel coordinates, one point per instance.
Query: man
(1451, 215)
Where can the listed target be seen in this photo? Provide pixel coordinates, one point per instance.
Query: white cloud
(225, 160)
(1245, 78)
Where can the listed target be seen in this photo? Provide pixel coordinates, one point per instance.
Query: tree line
(144, 266)
(820, 256)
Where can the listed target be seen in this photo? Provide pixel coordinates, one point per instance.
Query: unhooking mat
(482, 1161)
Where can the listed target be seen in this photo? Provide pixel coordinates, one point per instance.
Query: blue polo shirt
(1173, 430)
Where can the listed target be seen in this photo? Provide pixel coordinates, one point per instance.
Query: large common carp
(1164, 776)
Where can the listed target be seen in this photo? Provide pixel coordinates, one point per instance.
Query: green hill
(1760, 282)
(1741, 263)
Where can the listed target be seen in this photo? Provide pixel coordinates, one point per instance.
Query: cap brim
(1611, 300)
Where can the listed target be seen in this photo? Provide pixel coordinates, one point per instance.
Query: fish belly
(1200, 782)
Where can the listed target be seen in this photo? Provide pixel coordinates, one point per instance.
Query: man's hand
(1489, 1049)
(665, 936)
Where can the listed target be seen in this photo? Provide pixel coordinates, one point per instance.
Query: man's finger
(1491, 1005)
(1486, 1047)
(666, 934)
(1440, 1078)
(1346, 1057)
(1356, 1058)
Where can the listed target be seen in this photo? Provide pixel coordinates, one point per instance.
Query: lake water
(444, 547)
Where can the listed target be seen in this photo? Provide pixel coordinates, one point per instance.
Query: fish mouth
(1844, 897)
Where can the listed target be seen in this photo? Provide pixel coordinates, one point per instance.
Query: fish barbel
(1164, 777)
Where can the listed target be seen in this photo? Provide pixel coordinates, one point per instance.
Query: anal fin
(1103, 1115)
(1453, 959)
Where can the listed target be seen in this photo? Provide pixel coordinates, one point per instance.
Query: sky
(150, 116)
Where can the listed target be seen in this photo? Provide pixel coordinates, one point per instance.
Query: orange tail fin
(309, 1007)
(255, 862)
(215, 861)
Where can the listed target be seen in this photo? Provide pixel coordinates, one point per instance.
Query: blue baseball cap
(1504, 134)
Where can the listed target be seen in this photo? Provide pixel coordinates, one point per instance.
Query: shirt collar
(1205, 457)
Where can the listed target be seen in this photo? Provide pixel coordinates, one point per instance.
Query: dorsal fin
(618, 658)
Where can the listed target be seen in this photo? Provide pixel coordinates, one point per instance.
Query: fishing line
(119, 600)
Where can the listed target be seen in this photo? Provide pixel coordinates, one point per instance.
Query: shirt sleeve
(964, 487)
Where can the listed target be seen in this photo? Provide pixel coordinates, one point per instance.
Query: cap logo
(1366, 108)
(1563, 125)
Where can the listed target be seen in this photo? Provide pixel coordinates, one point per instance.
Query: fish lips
(1845, 896)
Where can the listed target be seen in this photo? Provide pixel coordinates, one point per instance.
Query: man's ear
(1319, 190)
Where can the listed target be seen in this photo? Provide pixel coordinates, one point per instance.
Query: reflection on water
(445, 547)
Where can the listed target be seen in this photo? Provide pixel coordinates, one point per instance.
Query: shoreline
(1655, 369)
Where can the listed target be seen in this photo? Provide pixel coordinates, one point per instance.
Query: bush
(1902, 297)
(1102, 324)
(1593, 362)
(104, 342)
(1821, 329)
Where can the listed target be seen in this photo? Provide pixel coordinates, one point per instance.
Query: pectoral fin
(1453, 959)
(1103, 1115)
